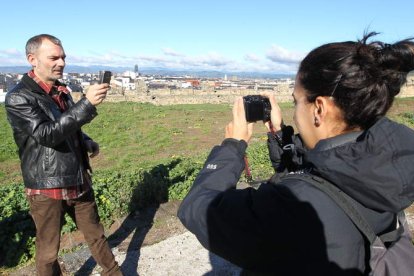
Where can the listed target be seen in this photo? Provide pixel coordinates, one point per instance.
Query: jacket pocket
(46, 159)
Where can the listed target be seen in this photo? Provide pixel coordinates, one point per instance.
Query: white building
(2, 96)
(130, 74)
(126, 83)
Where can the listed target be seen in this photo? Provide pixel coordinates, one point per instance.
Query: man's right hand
(97, 93)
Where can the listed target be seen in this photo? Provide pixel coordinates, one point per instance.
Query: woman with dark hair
(288, 226)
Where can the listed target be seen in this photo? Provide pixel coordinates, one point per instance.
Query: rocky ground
(152, 242)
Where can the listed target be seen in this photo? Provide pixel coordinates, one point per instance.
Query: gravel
(165, 248)
(177, 255)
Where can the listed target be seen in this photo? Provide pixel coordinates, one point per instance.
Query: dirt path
(153, 242)
(178, 255)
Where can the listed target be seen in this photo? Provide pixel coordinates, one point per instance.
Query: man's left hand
(92, 147)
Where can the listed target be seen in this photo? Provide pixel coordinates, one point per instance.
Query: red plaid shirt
(71, 192)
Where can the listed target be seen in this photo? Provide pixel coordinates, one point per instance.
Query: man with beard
(54, 157)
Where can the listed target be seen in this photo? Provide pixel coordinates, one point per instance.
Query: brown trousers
(48, 215)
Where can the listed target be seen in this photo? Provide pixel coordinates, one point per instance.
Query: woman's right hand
(276, 120)
(239, 128)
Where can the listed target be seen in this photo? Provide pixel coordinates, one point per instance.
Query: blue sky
(260, 35)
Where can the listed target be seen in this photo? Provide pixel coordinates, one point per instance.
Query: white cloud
(112, 58)
(209, 61)
(276, 59)
(11, 51)
(214, 60)
(12, 57)
(251, 58)
(171, 52)
(281, 55)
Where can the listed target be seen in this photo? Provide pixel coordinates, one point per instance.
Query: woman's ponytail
(396, 61)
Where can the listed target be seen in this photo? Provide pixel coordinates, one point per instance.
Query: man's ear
(32, 60)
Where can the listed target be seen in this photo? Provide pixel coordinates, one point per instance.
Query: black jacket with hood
(51, 145)
(292, 228)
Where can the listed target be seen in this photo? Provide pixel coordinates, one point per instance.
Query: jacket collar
(31, 84)
(33, 87)
(337, 141)
(375, 167)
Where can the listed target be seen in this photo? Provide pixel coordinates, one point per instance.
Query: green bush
(117, 193)
(407, 118)
(132, 134)
(259, 162)
(16, 227)
(182, 176)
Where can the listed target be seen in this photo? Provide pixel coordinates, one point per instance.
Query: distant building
(2, 96)
(75, 87)
(193, 83)
(130, 74)
(126, 83)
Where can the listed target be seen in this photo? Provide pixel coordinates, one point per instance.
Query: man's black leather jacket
(51, 143)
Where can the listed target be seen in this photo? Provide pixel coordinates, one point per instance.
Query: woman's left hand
(276, 121)
(239, 128)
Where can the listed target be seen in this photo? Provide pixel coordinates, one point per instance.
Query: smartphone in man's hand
(105, 77)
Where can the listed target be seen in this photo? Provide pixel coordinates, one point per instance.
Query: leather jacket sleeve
(35, 117)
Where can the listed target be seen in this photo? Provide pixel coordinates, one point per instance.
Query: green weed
(149, 155)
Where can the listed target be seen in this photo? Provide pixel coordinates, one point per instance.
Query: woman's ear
(320, 108)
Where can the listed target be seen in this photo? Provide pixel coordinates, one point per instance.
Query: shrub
(117, 194)
(17, 230)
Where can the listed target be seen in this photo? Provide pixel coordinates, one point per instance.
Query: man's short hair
(35, 42)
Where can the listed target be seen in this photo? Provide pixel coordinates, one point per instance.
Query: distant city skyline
(157, 71)
(229, 36)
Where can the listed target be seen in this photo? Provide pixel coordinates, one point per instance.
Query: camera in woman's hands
(257, 108)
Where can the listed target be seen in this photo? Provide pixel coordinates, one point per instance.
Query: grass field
(135, 134)
(149, 155)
